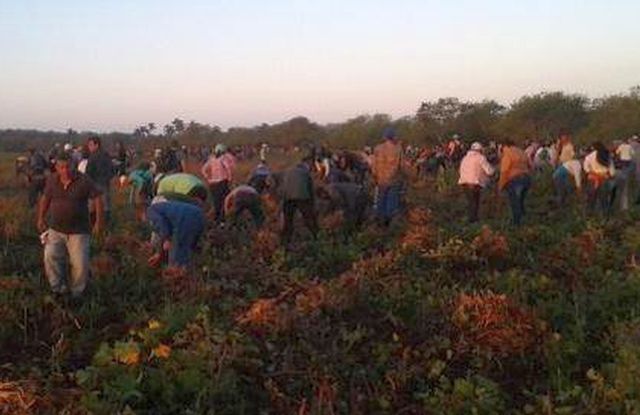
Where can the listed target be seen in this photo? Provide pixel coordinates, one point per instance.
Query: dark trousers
(601, 198)
(517, 191)
(307, 209)
(472, 192)
(36, 188)
(219, 192)
(355, 215)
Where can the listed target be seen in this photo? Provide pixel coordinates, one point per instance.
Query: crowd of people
(74, 187)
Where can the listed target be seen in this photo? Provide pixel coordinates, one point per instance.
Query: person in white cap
(475, 172)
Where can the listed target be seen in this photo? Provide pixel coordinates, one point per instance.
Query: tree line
(540, 116)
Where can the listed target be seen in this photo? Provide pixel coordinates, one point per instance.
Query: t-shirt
(297, 184)
(179, 184)
(625, 152)
(69, 208)
(100, 168)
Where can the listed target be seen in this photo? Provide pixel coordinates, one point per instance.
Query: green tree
(613, 118)
(544, 116)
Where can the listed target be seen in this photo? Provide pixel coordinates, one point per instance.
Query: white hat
(476, 146)
(68, 147)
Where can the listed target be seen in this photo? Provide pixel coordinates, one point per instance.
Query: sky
(110, 65)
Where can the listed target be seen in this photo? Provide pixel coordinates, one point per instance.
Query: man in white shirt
(475, 172)
(625, 155)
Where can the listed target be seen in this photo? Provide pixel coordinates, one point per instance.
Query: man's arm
(99, 209)
(43, 208)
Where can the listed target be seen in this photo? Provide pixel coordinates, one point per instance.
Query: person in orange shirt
(515, 178)
(387, 173)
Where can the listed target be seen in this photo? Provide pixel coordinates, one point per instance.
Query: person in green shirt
(182, 187)
(141, 180)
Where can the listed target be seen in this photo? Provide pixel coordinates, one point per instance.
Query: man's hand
(98, 228)
(155, 260)
(41, 225)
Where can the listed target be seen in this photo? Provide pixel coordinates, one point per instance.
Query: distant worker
(183, 187)
(244, 198)
(218, 172)
(475, 173)
(515, 178)
(178, 227)
(387, 174)
(100, 170)
(566, 173)
(259, 177)
(600, 170)
(264, 150)
(36, 168)
(141, 180)
(298, 195)
(625, 170)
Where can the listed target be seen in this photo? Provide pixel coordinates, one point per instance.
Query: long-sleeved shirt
(297, 184)
(175, 218)
(514, 163)
(475, 169)
(100, 168)
(218, 169)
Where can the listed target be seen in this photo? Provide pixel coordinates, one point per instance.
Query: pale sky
(113, 64)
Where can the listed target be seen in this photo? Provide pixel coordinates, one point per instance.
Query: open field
(431, 316)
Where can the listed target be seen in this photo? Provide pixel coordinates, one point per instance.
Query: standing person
(625, 168)
(387, 174)
(565, 149)
(515, 178)
(218, 172)
(122, 159)
(100, 171)
(36, 167)
(298, 195)
(600, 170)
(264, 150)
(562, 176)
(475, 172)
(84, 159)
(63, 220)
(178, 226)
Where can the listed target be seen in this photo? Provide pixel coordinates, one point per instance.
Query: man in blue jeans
(63, 220)
(178, 226)
(515, 178)
(387, 173)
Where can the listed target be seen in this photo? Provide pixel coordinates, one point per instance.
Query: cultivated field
(432, 316)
